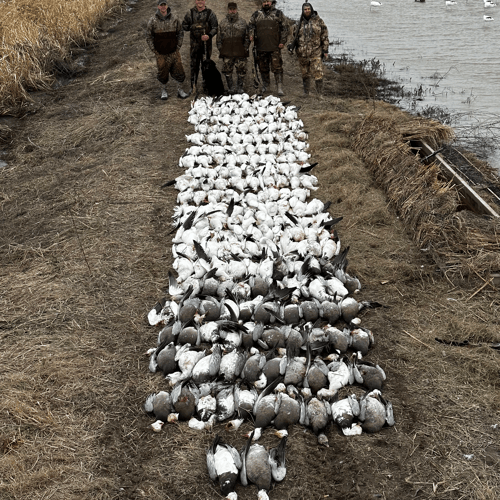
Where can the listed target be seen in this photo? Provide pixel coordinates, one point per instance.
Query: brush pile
(261, 322)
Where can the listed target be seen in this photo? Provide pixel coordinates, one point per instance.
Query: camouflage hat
(161, 2)
(232, 6)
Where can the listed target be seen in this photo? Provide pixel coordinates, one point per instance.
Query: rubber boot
(164, 93)
(180, 92)
(279, 83)
(239, 86)
(307, 85)
(319, 88)
(230, 84)
(266, 81)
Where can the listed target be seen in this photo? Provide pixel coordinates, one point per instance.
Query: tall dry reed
(35, 35)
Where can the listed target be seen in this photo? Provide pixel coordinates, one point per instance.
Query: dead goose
(318, 416)
(186, 358)
(252, 371)
(207, 367)
(275, 366)
(185, 397)
(287, 411)
(256, 468)
(373, 376)
(344, 413)
(160, 405)
(264, 408)
(224, 463)
(375, 412)
(225, 402)
(317, 375)
(165, 359)
(244, 400)
(278, 461)
(232, 364)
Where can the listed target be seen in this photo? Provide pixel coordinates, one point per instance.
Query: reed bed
(37, 36)
(460, 242)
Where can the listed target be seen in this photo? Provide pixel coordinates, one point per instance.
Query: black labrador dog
(212, 79)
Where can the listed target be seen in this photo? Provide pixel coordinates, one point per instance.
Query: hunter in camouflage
(269, 31)
(164, 37)
(202, 24)
(312, 47)
(233, 43)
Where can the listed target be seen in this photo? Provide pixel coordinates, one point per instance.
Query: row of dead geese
(260, 322)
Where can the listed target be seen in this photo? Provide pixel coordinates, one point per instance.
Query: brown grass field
(85, 252)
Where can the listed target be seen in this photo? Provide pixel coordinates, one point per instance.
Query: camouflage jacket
(260, 17)
(313, 37)
(194, 18)
(168, 24)
(233, 31)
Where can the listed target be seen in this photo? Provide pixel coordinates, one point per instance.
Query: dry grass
(36, 36)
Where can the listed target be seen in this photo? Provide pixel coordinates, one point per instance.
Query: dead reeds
(35, 37)
(459, 240)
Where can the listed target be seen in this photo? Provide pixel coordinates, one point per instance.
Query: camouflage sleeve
(219, 38)
(180, 34)
(149, 34)
(213, 24)
(324, 37)
(251, 25)
(246, 42)
(186, 24)
(283, 27)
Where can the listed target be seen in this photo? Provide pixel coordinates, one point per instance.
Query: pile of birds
(261, 322)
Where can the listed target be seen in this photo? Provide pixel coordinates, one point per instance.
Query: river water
(450, 51)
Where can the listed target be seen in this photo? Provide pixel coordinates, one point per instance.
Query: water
(451, 51)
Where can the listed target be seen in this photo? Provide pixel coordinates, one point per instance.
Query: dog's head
(208, 64)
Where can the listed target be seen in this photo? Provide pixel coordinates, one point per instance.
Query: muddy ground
(85, 251)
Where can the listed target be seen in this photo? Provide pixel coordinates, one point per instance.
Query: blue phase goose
(375, 411)
(260, 467)
(287, 411)
(318, 416)
(373, 376)
(160, 405)
(264, 409)
(185, 397)
(224, 463)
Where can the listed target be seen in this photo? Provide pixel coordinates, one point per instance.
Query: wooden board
(471, 198)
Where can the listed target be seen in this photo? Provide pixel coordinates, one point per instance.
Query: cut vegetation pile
(459, 241)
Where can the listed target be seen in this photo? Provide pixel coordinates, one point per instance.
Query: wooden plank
(476, 203)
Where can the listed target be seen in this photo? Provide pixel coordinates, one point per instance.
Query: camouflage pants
(311, 67)
(170, 64)
(237, 63)
(270, 59)
(197, 54)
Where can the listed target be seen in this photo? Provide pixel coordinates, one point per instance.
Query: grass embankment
(36, 37)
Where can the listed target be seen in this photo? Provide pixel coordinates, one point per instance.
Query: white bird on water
(375, 3)
(451, 2)
(488, 18)
(487, 3)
